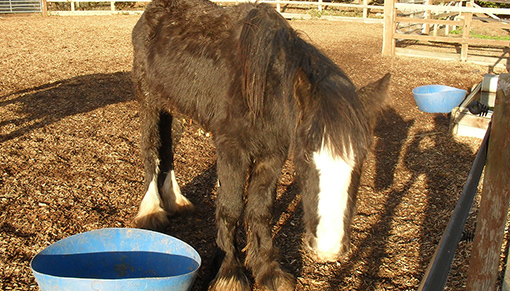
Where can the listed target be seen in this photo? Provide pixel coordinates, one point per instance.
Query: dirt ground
(70, 159)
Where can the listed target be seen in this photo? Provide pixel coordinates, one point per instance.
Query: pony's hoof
(278, 280)
(229, 284)
(235, 280)
(156, 220)
(181, 206)
(173, 200)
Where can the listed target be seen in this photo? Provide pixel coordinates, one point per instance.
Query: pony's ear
(302, 89)
(375, 97)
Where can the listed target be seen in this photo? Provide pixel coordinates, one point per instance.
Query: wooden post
(465, 32)
(320, 5)
(483, 268)
(365, 10)
(388, 47)
(112, 5)
(44, 8)
(428, 15)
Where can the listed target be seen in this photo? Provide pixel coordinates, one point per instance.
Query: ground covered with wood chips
(70, 158)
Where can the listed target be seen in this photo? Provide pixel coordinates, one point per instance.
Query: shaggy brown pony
(266, 95)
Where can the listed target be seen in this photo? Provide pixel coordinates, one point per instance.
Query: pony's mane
(258, 44)
(332, 114)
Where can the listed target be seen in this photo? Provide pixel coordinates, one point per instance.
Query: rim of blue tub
(47, 251)
(450, 88)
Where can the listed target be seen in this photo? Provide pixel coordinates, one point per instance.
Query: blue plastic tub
(438, 98)
(116, 259)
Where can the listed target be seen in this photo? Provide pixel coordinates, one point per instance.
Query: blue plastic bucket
(438, 98)
(116, 259)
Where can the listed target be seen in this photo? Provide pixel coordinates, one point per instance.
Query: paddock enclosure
(70, 158)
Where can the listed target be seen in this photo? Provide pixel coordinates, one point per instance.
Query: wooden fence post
(44, 8)
(485, 257)
(388, 47)
(428, 15)
(365, 10)
(466, 29)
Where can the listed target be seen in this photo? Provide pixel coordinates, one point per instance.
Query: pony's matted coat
(266, 95)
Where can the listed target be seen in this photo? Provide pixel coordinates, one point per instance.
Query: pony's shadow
(288, 225)
(396, 143)
(43, 105)
(198, 229)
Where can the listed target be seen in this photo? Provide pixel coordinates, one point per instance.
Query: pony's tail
(258, 48)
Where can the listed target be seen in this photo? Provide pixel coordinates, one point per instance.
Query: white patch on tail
(173, 200)
(335, 174)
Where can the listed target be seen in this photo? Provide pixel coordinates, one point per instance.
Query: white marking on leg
(173, 199)
(150, 213)
(334, 180)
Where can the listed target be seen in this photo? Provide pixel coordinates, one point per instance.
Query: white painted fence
(20, 6)
(319, 7)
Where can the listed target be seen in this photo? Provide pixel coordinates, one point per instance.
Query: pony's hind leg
(231, 171)
(163, 196)
(170, 133)
(261, 254)
(173, 200)
(151, 214)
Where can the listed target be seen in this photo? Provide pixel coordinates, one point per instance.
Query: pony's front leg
(231, 171)
(261, 255)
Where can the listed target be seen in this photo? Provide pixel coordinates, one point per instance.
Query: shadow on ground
(44, 105)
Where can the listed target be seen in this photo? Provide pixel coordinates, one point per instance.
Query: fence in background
(20, 6)
(428, 15)
(361, 11)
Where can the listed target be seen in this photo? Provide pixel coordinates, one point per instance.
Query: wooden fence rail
(464, 19)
